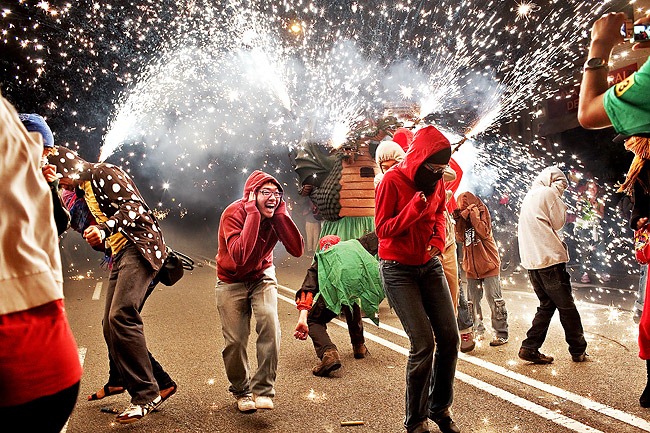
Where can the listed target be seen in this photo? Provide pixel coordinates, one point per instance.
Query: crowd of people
(412, 258)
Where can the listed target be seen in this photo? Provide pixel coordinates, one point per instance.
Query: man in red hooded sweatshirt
(248, 231)
(410, 224)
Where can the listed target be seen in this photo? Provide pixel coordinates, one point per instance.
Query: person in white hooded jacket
(544, 255)
(39, 363)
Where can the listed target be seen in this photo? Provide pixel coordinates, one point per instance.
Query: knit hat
(403, 137)
(328, 241)
(389, 150)
(36, 123)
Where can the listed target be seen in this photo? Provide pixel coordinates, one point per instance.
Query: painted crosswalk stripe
(98, 291)
(82, 357)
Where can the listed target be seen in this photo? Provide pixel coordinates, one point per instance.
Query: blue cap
(36, 123)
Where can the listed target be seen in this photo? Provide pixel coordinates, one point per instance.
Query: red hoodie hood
(426, 142)
(256, 180)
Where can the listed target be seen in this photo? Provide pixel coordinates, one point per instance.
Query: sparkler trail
(202, 91)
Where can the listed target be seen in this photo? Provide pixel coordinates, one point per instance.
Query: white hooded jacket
(543, 213)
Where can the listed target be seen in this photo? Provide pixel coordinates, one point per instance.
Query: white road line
(82, 357)
(98, 291)
(567, 395)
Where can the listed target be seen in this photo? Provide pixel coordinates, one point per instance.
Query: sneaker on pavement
(467, 343)
(498, 341)
(263, 402)
(534, 356)
(136, 412)
(581, 357)
(246, 404)
(422, 427)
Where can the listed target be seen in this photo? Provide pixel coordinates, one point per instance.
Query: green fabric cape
(348, 274)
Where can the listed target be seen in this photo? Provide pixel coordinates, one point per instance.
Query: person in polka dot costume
(138, 250)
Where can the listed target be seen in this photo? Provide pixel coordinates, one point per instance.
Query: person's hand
(423, 197)
(49, 171)
(433, 251)
(251, 196)
(607, 29)
(641, 222)
(93, 235)
(302, 330)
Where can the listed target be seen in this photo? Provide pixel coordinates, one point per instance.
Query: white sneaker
(263, 402)
(246, 404)
(136, 412)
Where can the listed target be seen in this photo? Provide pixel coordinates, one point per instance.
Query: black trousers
(552, 286)
(318, 318)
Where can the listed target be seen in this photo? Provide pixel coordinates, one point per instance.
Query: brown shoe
(331, 361)
(360, 351)
(534, 356)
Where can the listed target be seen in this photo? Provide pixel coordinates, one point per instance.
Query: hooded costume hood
(428, 146)
(256, 180)
(36, 123)
(403, 137)
(551, 177)
(388, 150)
(70, 165)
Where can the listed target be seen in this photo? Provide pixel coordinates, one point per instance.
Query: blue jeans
(552, 286)
(236, 303)
(492, 288)
(420, 297)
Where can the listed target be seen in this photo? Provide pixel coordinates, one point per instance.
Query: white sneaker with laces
(263, 402)
(136, 412)
(246, 404)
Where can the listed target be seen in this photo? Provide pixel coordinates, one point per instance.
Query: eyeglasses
(435, 168)
(267, 193)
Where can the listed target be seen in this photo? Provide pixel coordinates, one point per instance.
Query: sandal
(106, 392)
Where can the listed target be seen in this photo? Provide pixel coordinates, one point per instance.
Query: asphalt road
(494, 390)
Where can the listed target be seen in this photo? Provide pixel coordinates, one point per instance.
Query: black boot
(644, 400)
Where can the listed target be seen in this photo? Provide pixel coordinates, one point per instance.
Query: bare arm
(605, 34)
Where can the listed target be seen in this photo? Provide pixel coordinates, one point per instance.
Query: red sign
(565, 100)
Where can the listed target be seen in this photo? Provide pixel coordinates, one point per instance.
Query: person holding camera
(249, 229)
(138, 248)
(626, 105)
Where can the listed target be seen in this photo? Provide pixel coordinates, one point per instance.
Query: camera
(641, 32)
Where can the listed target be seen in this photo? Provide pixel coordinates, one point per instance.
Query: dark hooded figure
(138, 248)
(410, 224)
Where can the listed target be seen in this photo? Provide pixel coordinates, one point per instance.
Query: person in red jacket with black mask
(410, 224)
(249, 229)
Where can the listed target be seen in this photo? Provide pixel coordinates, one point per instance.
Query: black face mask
(426, 180)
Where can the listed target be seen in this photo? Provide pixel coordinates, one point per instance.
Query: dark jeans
(552, 286)
(159, 373)
(318, 318)
(128, 284)
(465, 317)
(422, 301)
(44, 415)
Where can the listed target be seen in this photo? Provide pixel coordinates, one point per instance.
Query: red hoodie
(407, 226)
(246, 241)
